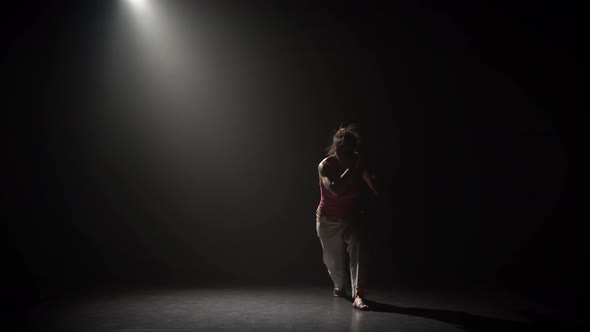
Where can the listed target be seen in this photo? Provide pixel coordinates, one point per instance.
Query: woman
(341, 174)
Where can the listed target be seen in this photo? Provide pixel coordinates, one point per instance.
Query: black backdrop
(469, 115)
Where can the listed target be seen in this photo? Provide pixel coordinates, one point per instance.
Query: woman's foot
(339, 292)
(359, 303)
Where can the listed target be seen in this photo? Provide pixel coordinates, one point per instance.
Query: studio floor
(293, 309)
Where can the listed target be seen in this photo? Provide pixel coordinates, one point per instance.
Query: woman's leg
(356, 248)
(330, 234)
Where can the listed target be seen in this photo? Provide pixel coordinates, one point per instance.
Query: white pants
(334, 246)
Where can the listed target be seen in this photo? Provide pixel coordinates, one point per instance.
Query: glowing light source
(138, 3)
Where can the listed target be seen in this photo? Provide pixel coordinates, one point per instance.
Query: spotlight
(138, 3)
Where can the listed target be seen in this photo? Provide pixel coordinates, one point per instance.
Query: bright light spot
(140, 4)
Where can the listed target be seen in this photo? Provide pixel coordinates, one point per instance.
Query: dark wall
(468, 115)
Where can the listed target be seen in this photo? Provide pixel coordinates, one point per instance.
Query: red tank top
(341, 206)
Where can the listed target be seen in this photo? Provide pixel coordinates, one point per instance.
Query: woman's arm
(335, 183)
(369, 180)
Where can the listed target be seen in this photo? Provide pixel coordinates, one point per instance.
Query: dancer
(337, 218)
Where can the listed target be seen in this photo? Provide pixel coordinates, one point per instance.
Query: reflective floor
(294, 309)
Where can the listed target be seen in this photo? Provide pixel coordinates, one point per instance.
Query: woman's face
(345, 149)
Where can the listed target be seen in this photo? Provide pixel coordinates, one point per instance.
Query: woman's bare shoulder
(327, 161)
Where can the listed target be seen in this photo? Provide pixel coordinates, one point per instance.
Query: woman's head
(345, 142)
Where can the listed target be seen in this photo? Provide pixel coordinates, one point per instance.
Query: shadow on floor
(470, 322)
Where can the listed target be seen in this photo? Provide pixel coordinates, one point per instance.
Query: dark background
(117, 178)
